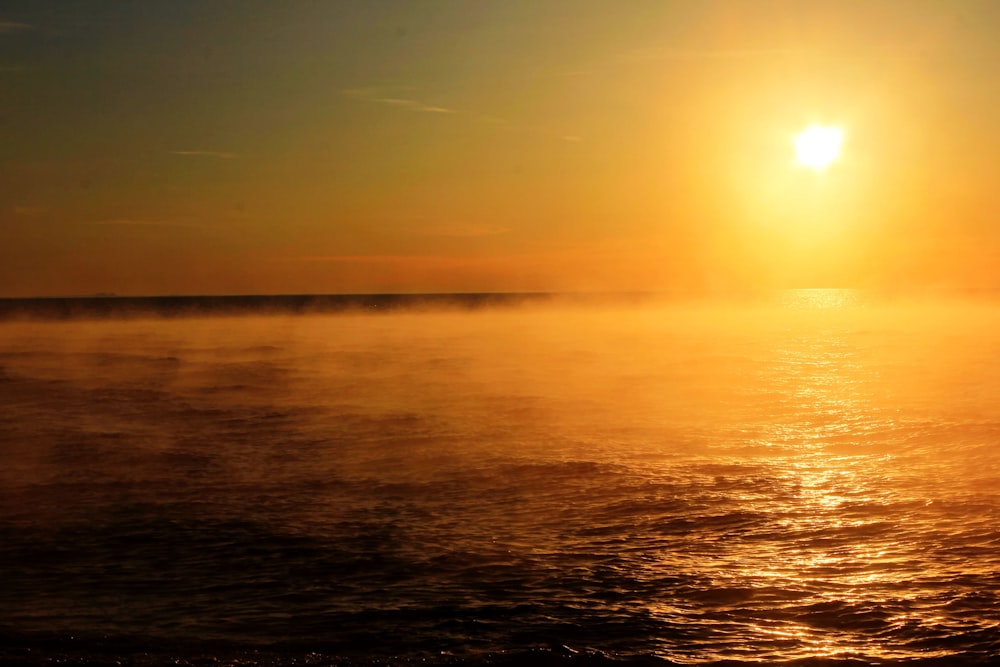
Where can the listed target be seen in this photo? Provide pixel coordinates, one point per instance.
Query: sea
(807, 477)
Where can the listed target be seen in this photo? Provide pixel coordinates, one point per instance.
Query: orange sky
(188, 147)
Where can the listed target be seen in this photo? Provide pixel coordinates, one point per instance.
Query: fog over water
(815, 474)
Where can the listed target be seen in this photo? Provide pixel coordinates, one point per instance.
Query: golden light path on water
(827, 552)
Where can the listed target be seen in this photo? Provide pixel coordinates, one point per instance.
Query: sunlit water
(813, 475)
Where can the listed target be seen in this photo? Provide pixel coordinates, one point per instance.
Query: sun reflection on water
(821, 298)
(829, 569)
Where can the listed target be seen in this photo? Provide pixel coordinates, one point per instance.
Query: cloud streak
(9, 27)
(362, 259)
(138, 222)
(213, 154)
(411, 104)
(374, 95)
(30, 211)
(467, 231)
(379, 95)
(658, 54)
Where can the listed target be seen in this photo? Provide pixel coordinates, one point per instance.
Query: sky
(252, 146)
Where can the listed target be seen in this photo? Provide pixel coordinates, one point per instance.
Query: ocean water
(807, 478)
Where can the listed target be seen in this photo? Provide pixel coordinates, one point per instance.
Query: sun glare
(817, 146)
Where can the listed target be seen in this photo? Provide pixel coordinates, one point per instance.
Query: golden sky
(193, 147)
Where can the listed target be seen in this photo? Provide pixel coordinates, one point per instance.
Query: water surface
(813, 475)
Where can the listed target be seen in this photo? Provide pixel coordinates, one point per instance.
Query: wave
(70, 651)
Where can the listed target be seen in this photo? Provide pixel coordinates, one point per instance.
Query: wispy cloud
(412, 104)
(382, 95)
(7, 27)
(356, 259)
(30, 211)
(572, 73)
(658, 54)
(470, 230)
(379, 96)
(215, 154)
(139, 222)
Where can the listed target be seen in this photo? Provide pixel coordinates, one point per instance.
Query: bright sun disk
(817, 146)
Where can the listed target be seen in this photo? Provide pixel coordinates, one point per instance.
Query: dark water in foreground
(813, 478)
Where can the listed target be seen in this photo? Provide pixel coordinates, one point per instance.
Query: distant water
(810, 478)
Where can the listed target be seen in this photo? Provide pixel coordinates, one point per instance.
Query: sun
(818, 146)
